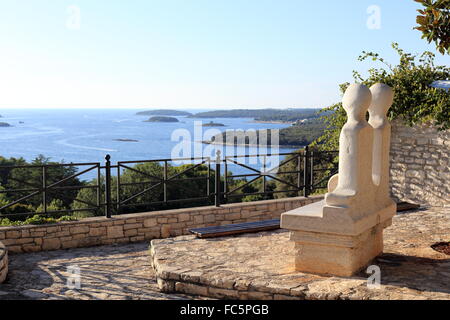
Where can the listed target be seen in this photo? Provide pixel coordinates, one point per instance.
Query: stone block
(96, 232)
(165, 285)
(345, 257)
(165, 231)
(37, 233)
(184, 217)
(220, 293)
(190, 288)
(13, 234)
(130, 232)
(114, 232)
(79, 229)
(128, 226)
(150, 222)
(31, 248)
(70, 244)
(152, 235)
(198, 219)
(51, 244)
(209, 218)
(233, 216)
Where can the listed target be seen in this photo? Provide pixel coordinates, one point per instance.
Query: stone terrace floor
(260, 265)
(107, 272)
(124, 271)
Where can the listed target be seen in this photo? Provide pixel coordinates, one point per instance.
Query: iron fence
(33, 189)
(303, 178)
(43, 185)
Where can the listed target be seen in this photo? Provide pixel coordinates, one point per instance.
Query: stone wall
(420, 164)
(141, 226)
(3, 262)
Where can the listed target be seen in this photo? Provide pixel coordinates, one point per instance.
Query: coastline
(252, 145)
(273, 122)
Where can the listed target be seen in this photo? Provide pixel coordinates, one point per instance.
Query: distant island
(4, 124)
(126, 140)
(213, 124)
(163, 112)
(290, 115)
(162, 119)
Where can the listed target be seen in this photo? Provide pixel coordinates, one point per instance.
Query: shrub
(35, 220)
(415, 100)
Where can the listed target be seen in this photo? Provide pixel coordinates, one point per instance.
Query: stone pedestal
(342, 234)
(329, 245)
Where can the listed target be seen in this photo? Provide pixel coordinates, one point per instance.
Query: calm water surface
(87, 135)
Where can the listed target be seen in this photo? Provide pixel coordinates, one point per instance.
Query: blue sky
(192, 53)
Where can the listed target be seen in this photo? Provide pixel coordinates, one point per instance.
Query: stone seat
(320, 217)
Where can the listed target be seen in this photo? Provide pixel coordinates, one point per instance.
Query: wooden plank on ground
(404, 206)
(237, 228)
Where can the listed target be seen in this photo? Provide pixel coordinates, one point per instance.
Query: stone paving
(107, 272)
(410, 268)
(260, 265)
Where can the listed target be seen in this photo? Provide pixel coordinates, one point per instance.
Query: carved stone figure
(342, 233)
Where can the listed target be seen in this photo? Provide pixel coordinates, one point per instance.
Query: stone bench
(236, 228)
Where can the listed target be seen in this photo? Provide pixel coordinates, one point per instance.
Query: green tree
(3, 200)
(415, 100)
(32, 177)
(54, 206)
(187, 182)
(434, 23)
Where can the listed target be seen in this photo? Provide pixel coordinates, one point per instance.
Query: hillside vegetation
(297, 135)
(288, 115)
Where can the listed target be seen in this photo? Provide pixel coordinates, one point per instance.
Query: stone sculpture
(343, 233)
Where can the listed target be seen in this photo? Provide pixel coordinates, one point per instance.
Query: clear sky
(192, 53)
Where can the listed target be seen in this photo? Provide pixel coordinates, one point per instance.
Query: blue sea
(88, 135)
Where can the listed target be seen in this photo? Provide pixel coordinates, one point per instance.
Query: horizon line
(155, 108)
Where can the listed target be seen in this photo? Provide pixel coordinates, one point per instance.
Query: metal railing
(307, 165)
(154, 181)
(136, 188)
(47, 186)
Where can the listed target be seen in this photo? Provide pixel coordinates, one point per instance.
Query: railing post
(99, 187)
(118, 189)
(165, 176)
(108, 186)
(225, 180)
(217, 179)
(44, 188)
(299, 170)
(305, 173)
(264, 177)
(311, 175)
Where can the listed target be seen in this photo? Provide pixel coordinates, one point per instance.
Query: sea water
(87, 135)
